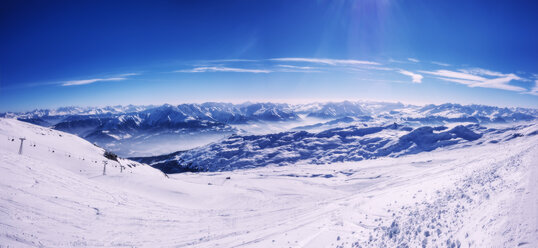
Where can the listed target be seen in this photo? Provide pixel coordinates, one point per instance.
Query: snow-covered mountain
(330, 146)
(146, 130)
(165, 114)
(472, 113)
(335, 109)
(479, 192)
(62, 112)
(239, 113)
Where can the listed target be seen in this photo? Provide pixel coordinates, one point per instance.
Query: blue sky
(97, 53)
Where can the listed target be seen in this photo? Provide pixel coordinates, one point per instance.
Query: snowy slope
(478, 196)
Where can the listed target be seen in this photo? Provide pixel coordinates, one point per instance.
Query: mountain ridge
(129, 130)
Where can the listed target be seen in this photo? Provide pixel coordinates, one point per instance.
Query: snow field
(477, 196)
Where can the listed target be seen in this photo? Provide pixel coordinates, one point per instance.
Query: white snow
(477, 196)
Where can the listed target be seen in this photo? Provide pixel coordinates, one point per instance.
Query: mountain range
(153, 130)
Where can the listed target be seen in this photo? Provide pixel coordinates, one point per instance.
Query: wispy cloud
(91, 81)
(459, 81)
(383, 80)
(501, 83)
(233, 60)
(471, 77)
(416, 78)
(224, 69)
(534, 90)
(391, 60)
(476, 78)
(297, 67)
(440, 63)
(119, 77)
(455, 74)
(483, 72)
(128, 74)
(327, 61)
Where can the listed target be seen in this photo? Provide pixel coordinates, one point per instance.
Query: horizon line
(293, 102)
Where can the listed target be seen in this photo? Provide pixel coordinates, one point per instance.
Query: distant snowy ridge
(213, 112)
(96, 123)
(237, 113)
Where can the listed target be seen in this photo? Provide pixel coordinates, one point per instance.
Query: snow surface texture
(483, 195)
(149, 130)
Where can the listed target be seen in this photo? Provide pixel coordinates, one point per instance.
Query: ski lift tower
(104, 167)
(20, 148)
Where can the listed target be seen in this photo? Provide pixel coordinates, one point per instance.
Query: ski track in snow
(479, 196)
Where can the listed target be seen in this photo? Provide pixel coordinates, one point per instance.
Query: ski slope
(482, 195)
